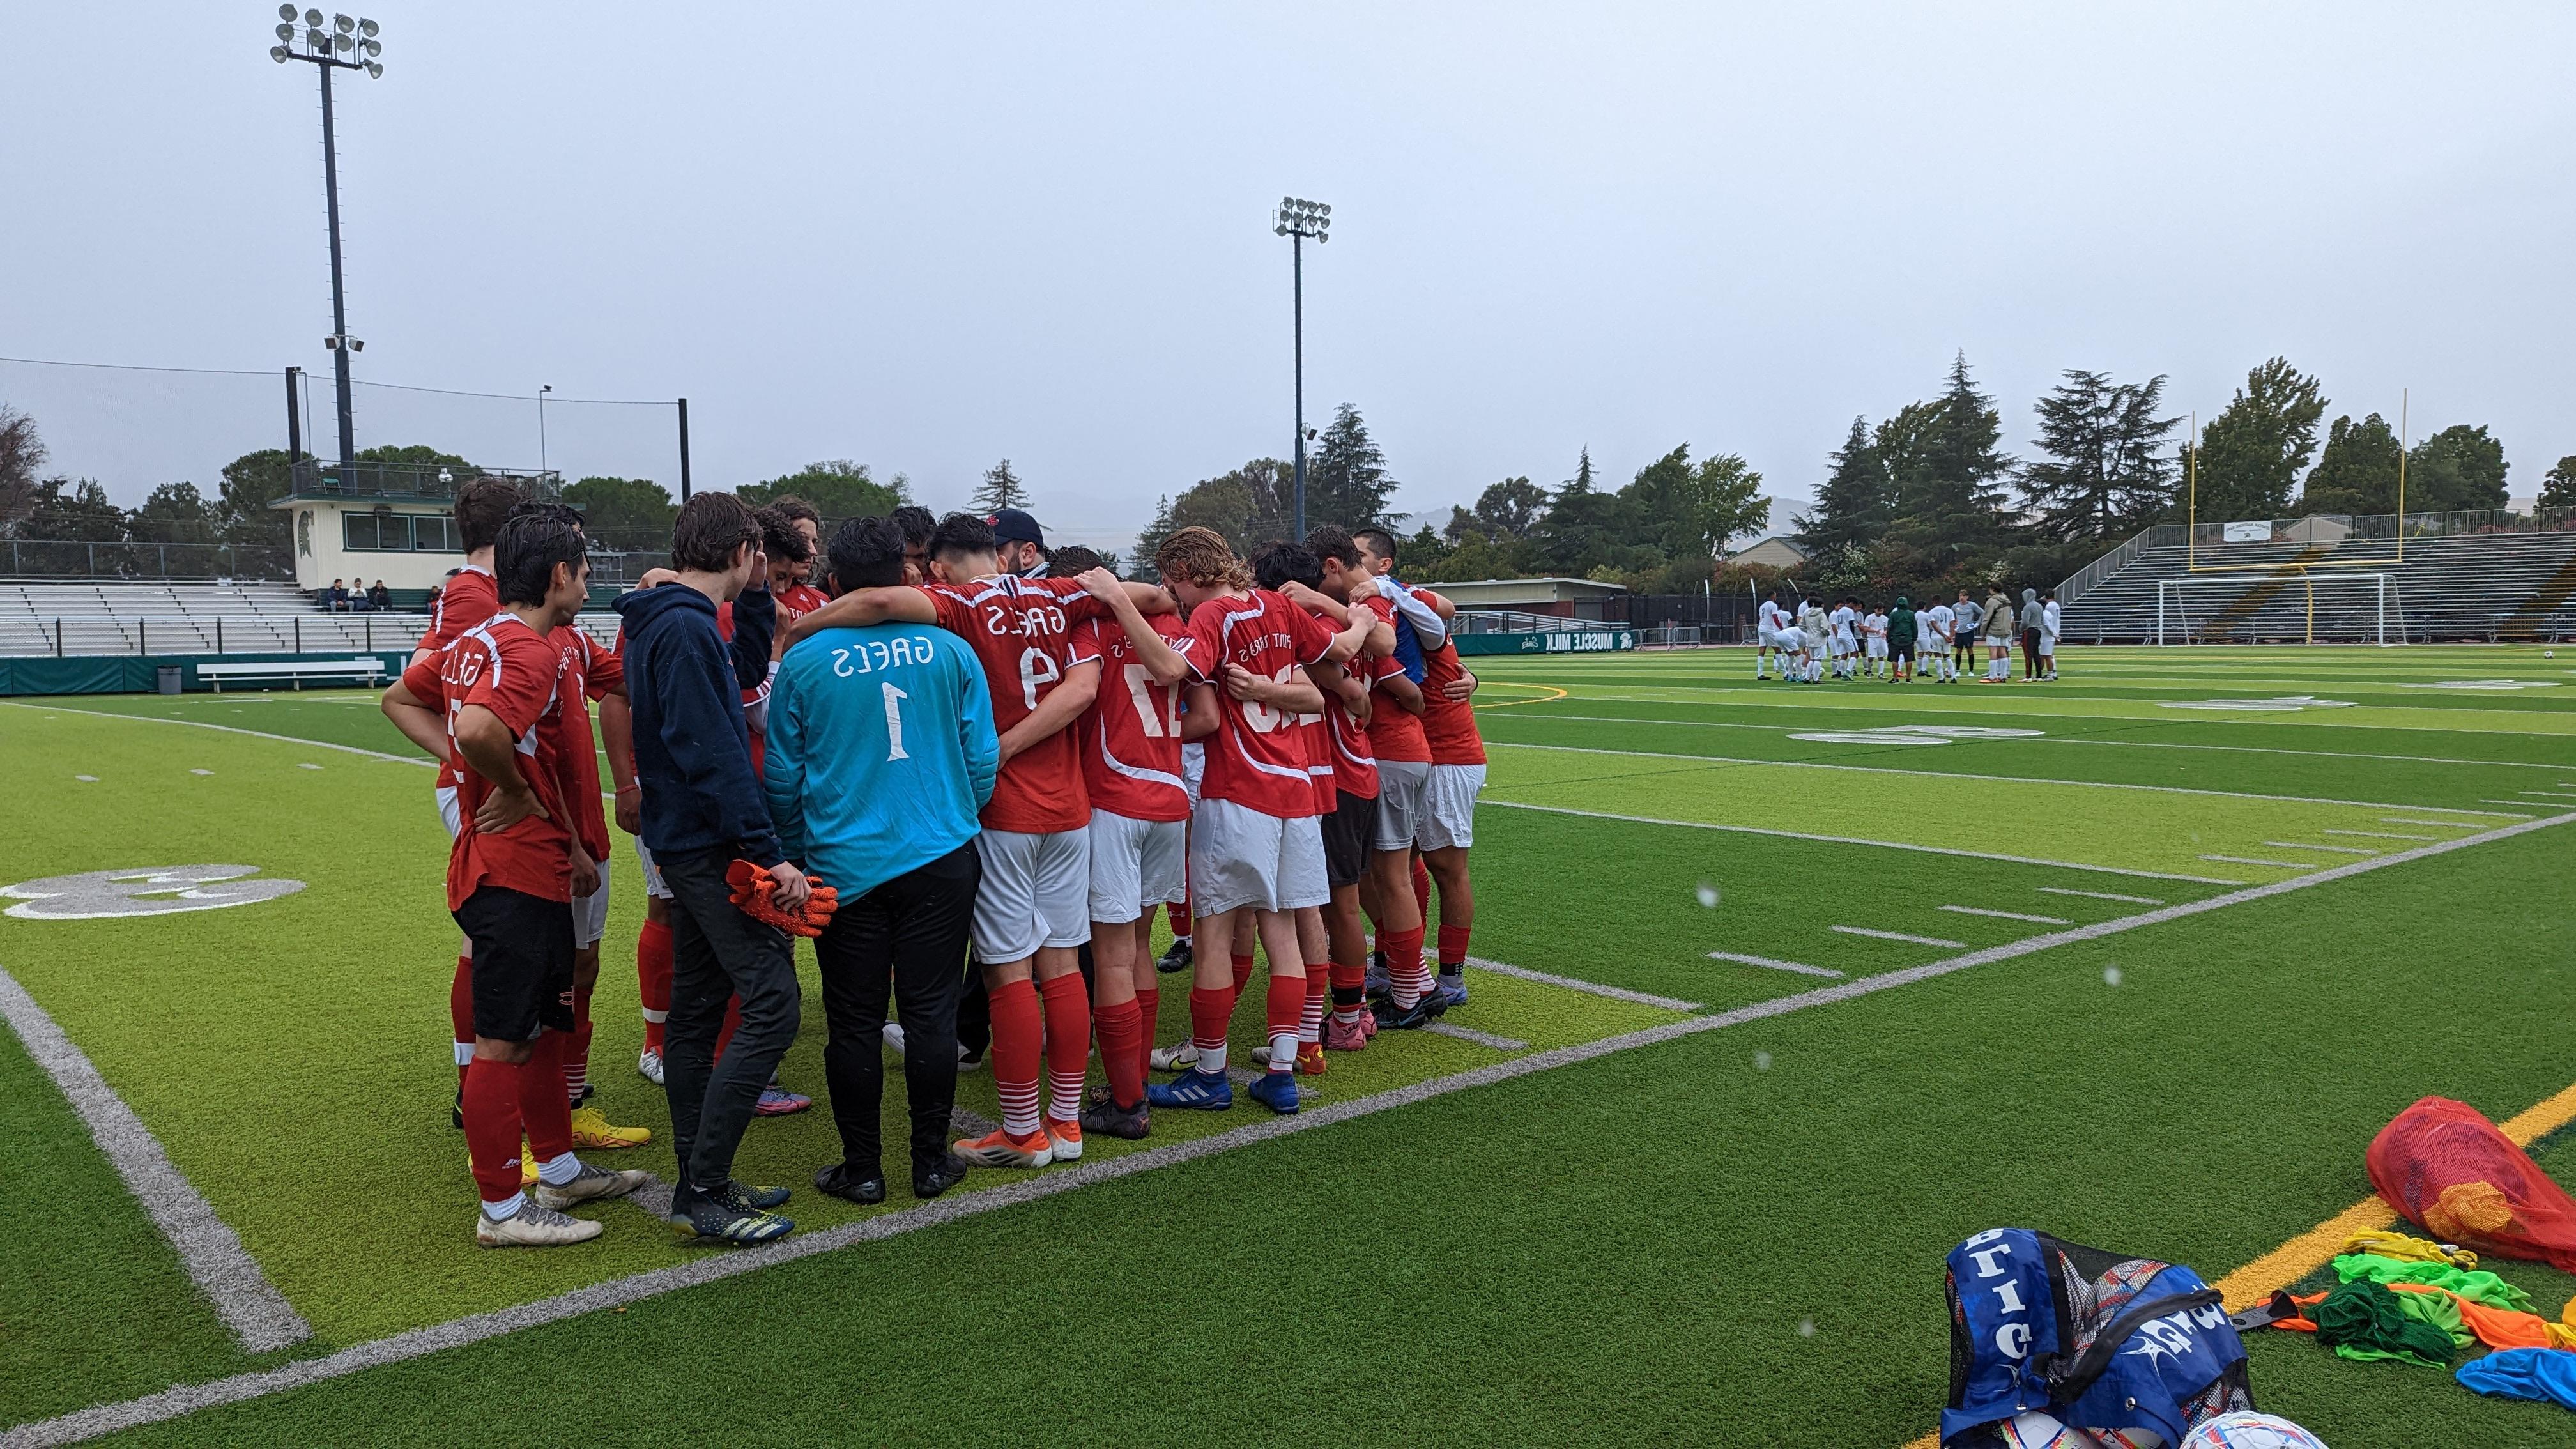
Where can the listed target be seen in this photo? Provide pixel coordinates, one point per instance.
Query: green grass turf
(1589, 1254)
(1627, 1250)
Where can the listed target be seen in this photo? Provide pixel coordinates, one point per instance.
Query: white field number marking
(2277, 704)
(150, 890)
(1934, 734)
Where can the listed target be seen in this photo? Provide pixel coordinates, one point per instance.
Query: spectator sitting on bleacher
(380, 596)
(338, 596)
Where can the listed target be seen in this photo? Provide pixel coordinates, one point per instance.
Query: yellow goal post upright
(2287, 570)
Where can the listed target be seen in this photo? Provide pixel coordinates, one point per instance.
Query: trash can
(169, 678)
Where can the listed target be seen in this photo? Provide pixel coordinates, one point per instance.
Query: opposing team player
(1845, 622)
(512, 875)
(1768, 620)
(1873, 637)
(1935, 639)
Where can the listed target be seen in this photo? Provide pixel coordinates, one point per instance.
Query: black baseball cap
(1011, 525)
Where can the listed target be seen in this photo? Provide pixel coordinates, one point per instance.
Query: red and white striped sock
(576, 1048)
(1068, 1043)
(1016, 1029)
(1406, 979)
(1287, 1007)
(1319, 994)
(1211, 1011)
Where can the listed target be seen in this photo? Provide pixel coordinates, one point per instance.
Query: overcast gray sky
(927, 237)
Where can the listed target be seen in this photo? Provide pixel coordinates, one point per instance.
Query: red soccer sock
(460, 1013)
(1179, 915)
(653, 979)
(1068, 1043)
(1122, 1032)
(1287, 1007)
(1453, 948)
(1015, 1053)
(493, 1124)
(1149, 1008)
(1421, 888)
(1406, 980)
(1347, 985)
(1211, 1011)
(1242, 973)
(1310, 1021)
(576, 1048)
(544, 1114)
(733, 1018)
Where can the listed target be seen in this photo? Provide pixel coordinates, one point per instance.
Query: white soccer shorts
(1449, 807)
(1401, 785)
(2047, 647)
(652, 873)
(1241, 857)
(1878, 649)
(1036, 892)
(1193, 768)
(590, 912)
(1136, 865)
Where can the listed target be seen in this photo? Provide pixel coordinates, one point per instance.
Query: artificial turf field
(1712, 1208)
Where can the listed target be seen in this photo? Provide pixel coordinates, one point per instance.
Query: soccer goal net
(2298, 608)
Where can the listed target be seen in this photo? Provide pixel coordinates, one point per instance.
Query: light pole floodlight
(367, 28)
(343, 24)
(313, 18)
(285, 12)
(277, 53)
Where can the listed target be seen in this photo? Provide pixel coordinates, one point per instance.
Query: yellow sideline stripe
(2317, 1247)
(1549, 698)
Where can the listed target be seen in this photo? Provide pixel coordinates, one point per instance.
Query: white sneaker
(532, 1226)
(650, 1064)
(588, 1185)
(1179, 1056)
(893, 1035)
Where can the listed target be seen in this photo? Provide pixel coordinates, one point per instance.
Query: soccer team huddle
(971, 771)
(1814, 643)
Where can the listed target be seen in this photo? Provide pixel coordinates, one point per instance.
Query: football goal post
(2302, 608)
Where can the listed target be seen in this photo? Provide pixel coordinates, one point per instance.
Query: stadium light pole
(1297, 220)
(541, 425)
(346, 45)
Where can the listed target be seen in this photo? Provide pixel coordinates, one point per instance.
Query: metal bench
(363, 670)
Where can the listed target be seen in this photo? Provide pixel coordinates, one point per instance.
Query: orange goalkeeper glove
(755, 894)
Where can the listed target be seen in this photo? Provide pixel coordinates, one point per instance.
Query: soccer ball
(2245, 1429)
(2548, 653)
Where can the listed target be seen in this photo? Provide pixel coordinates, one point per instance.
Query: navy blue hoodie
(692, 746)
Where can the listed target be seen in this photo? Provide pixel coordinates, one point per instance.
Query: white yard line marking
(2009, 915)
(2445, 824)
(1889, 704)
(1615, 993)
(2483, 800)
(2379, 835)
(198, 724)
(1480, 1038)
(1744, 960)
(2336, 849)
(183, 1399)
(1716, 724)
(2102, 896)
(1856, 840)
(259, 1316)
(2548, 795)
(1899, 936)
(1963, 775)
(2254, 860)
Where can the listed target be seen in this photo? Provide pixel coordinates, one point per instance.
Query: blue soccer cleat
(1448, 996)
(1193, 1091)
(1276, 1091)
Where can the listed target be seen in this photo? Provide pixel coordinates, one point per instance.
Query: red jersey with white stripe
(515, 672)
(1448, 725)
(1022, 631)
(589, 672)
(1257, 758)
(1354, 761)
(470, 598)
(1393, 733)
(1131, 735)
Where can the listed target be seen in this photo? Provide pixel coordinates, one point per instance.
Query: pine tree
(2105, 470)
(1853, 505)
(1346, 480)
(2252, 453)
(1150, 542)
(1952, 494)
(1000, 489)
(2357, 472)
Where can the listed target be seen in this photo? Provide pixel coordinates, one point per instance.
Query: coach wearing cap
(1023, 550)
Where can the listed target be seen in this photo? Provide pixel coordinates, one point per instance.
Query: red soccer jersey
(589, 672)
(471, 598)
(1257, 757)
(1131, 735)
(513, 671)
(1448, 725)
(1354, 762)
(1394, 733)
(1022, 631)
(797, 601)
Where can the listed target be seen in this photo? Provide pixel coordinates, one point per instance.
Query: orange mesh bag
(2444, 1166)
(755, 894)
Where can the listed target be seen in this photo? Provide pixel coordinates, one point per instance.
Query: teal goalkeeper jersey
(881, 750)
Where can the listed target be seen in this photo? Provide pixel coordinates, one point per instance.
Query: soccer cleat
(1368, 1023)
(532, 1226)
(456, 1114)
(1276, 1091)
(779, 1102)
(1194, 1091)
(1310, 1060)
(711, 1220)
(650, 1064)
(1107, 1118)
(589, 1185)
(1261, 1056)
(743, 1197)
(590, 1128)
(1449, 996)
(1180, 1056)
(1340, 1036)
(998, 1148)
(946, 1173)
(1175, 957)
(970, 1059)
(839, 1181)
(1373, 983)
(1392, 1017)
(1065, 1138)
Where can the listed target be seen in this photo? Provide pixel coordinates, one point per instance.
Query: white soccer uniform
(1768, 621)
(2049, 621)
(1036, 891)
(1846, 641)
(1241, 857)
(1874, 634)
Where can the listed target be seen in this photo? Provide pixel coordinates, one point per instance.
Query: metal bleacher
(2462, 577)
(96, 617)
